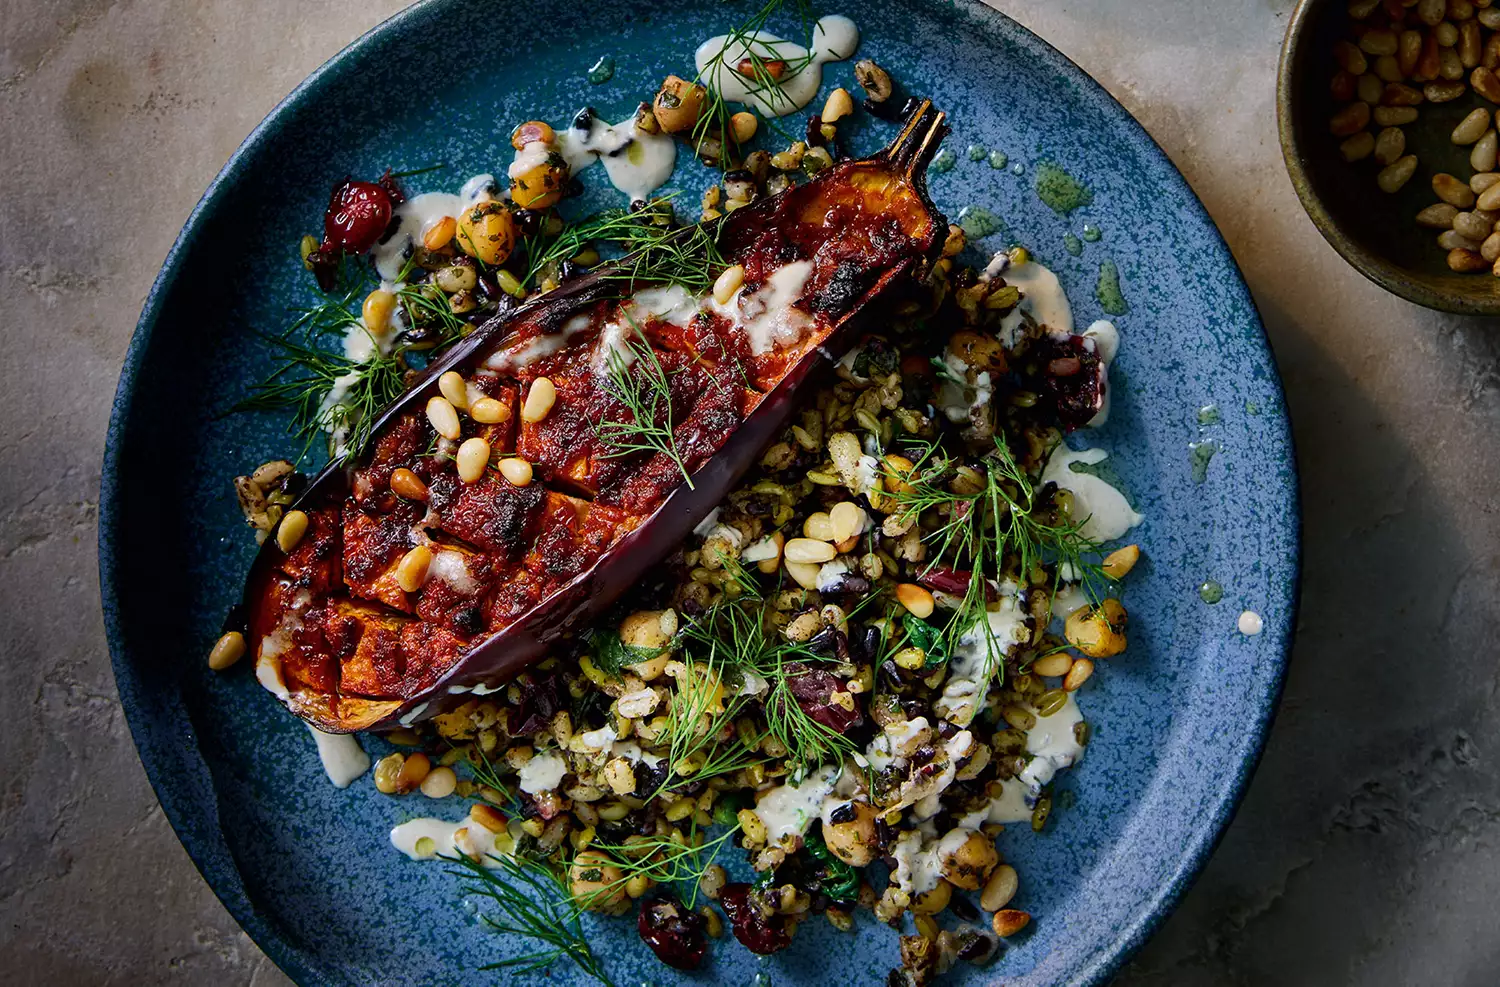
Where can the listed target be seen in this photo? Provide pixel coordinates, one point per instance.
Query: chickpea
(970, 862)
(1097, 632)
(979, 350)
(542, 185)
(487, 232)
(594, 879)
(854, 841)
(678, 104)
(643, 629)
(933, 901)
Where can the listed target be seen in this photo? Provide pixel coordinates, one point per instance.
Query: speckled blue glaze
(1179, 720)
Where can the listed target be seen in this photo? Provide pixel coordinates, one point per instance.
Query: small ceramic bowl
(1374, 231)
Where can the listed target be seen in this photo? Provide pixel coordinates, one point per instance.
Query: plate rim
(1153, 910)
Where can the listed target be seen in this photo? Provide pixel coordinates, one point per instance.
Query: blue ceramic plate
(1179, 719)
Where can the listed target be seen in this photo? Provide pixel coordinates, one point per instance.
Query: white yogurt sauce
(973, 659)
(1104, 512)
(343, 759)
(834, 39)
(538, 347)
(789, 809)
(918, 868)
(426, 838)
(1053, 746)
(543, 772)
(831, 574)
(453, 568)
(420, 213)
(1250, 623)
(760, 550)
(1042, 297)
(638, 163)
(769, 316)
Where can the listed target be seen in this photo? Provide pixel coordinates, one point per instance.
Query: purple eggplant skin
(572, 608)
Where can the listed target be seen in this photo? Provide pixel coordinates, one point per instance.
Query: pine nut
(1397, 94)
(488, 411)
(539, 400)
(804, 574)
(916, 599)
(1490, 17)
(1490, 197)
(1394, 116)
(454, 389)
(1496, 269)
(455, 278)
(1117, 564)
(229, 649)
(1438, 216)
(1443, 92)
(442, 417)
(1483, 181)
(439, 783)
(1389, 145)
(405, 483)
(1490, 248)
(1000, 888)
(1350, 120)
(1397, 173)
(516, 470)
(1387, 70)
(1453, 240)
(1471, 127)
(379, 304)
(770, 565)
(1452, 191)
(293, 526)
(1485, 83)
(1369, 88)
(1053, 665)
(808, 550)
(473, 459)
(1467, 224)
(1465, 261)
(839, 105)
(487, 816)
(1446, 34)
(728, 283)
(1009, 921)
(1378, 41)
(1484, 153)
(1430, 12)
(849, 520)
(819, 526)
(1468, 43)
(1349, 57)
(1408, 50)
(413, 772)
(1450, 66)
(1360, 9)
(744, 126)
(440, 234)
(411, 571)
(1358, 147)
(1078, 674)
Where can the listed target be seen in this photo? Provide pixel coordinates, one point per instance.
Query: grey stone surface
(1366, 852)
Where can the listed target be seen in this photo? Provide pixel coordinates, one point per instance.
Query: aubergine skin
(346, 649)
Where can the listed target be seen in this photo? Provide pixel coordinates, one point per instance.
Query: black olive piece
(946, 730)
(739, 175)
(468, 620)
(978, 947)
(584, 119)
(573, 189)
(842, 814)
(814, 135)
(529, 221)
(234, 620)
(963, 908)
(488, 287)
(568, 270)
(923, 755)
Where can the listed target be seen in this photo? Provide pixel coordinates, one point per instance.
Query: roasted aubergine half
(617, 415)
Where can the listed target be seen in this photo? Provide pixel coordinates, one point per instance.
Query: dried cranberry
(813, 689)
(674, 934)
(1073, 379)
(945, 579)
(358, 214)
(540, 699)
(758, 933)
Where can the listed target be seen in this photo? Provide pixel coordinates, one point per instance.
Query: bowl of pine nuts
(1387, 111)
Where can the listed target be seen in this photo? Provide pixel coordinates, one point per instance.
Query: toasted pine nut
(1350, 120)
(293, 526)
(769, 566)
(1485, 83)
(387, 771)
(1078, 674)
(1378, 41)
(226, 651)
(443, 417)
(473, 459)
(1389, 145)
(804, 574)
(488, 411)
(411, 571)
(840, 104)
(1490, 197)
(1446, 34)
(1490, 248)
(379, 304)
(454, 389)
(1453, 240)
(1394, 116)
(743, 126)
(1397, 173)
(1471, 127)
(1119, 562)
(539, 400)
(848, 519)
(405, 483)
(1350, 58)
(1009, 921)
(808, 550)
(1369, 88)
(1452, 191)
(1484, 153)
(487, 816)
(1053, 665)
(819, 526)
(728, 283)
(1472, 226)
(414, 771)
(1443, 92)
(439, 783)
(516, 470)
(1438, 216)
(1000, 888)
(1465, 261)
(916, 599)
(1468, 43)
(440, 234)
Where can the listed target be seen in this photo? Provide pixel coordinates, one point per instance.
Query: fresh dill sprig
(698, 714)
(676, 860)
(653, 250)
(767, 72)
(531, 901)
(642, 385)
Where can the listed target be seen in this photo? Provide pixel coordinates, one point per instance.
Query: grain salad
(869, 655)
